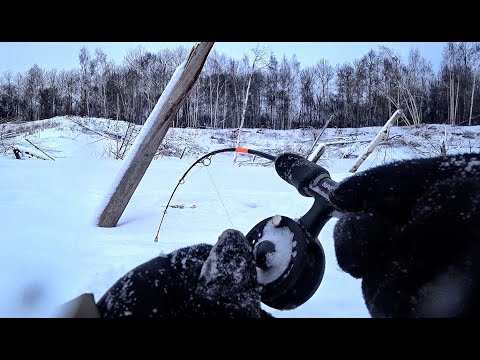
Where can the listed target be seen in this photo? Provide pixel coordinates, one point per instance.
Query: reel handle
(310, 180)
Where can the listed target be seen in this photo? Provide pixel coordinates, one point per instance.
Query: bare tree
(103, 71)
(475, 69)
(284, 95)
(324, 75)
(451, 59)
(258, 62)
(52, 80)
(410, 83)
(84, 58)
(34, 82)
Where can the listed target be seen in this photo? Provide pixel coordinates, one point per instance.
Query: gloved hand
(411, 232)
(196, 281)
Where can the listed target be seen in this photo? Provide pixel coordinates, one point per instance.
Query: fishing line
(218, 193)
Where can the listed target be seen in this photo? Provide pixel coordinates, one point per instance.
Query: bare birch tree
(258, 62)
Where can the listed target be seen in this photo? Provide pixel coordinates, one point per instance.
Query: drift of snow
(277, 261)
(132, 152)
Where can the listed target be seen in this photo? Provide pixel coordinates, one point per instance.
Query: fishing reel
(289, 257)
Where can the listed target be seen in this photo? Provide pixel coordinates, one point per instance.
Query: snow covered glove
(194, 282)
(411, 232)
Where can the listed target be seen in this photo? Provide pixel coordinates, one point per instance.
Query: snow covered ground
(51, 251)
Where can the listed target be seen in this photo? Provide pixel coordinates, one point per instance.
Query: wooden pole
(150, 137)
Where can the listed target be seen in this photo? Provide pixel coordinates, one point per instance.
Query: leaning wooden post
(151, 135)
(382, 135)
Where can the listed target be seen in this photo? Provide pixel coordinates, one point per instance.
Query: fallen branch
(104, 135)
(36, 147)
(17, 150)
(10, 135)
(345, 142)
(315, 155)
(313, 150)
(181, 206)
(341, 142)
(183, 152)
(382, 135)
(222, 140)
(251, 163)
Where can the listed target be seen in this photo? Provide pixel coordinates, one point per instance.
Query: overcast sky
(20, 56)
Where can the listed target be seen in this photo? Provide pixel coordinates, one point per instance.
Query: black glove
(411, 232)
(196, 281)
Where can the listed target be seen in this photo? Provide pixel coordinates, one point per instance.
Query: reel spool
(290, 264)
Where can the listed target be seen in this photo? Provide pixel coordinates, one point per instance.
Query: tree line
(282, 94)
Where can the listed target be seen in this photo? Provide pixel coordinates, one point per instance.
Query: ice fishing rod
(203, 160)
(289, 258)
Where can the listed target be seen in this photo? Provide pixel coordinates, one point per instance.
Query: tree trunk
(245, 103)
(225, 105)
(104, 101)
(456, 103)
(471, 100)
(118, 106)
(53, 103)
(450, 98)
(211, 100)
(236, 101)
(215, 123)
(195, 118)
(88, 103)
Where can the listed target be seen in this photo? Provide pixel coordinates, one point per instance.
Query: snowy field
(51, 251)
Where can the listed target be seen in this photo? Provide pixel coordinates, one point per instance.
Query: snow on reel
(290, 264)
